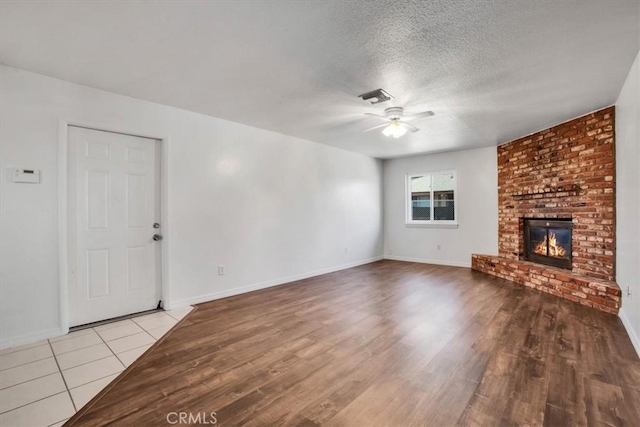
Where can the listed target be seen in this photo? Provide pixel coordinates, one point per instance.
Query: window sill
(430, 225)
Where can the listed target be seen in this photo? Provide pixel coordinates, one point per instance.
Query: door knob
(157, 237)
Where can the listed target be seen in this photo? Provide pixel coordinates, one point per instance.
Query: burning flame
(555, 249)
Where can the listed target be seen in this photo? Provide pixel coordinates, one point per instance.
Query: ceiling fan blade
(419, 115)
(376, 127)
(376, 115)
(409, 127)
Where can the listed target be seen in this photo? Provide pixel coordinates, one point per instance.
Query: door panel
(136, 202)
(97, 186)
(97, 150)
(114, 200)
(97, 273)
(139, 267)
(136, 156)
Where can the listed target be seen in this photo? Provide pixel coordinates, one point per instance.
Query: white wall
(628, 201)
(269, 207)
(476, 204)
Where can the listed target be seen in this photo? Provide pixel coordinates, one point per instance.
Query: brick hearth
(596, 293)
(567, 171)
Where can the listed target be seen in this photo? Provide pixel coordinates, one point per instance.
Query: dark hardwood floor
(385, 344)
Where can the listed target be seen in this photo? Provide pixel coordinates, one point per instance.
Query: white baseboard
(30, 338)
(429, 261)
(257, 286)
(633, 334)
(56, 332)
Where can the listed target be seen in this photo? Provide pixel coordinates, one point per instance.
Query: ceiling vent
(376, 96)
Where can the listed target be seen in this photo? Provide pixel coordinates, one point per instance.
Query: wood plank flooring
(385, 344)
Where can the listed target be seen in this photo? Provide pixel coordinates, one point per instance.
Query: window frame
(409, 222)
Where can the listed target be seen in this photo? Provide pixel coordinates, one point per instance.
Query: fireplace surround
(563, 176)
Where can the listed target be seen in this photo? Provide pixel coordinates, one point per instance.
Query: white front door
(114, 202)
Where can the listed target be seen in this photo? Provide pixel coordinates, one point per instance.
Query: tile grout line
(38, 400)
(147, 332)
(167, 327)
(112, 353)
(103, 341)
(69, 336)
(86, 363)
(152, 337)
(57, 422)
(60, 371)
(111, 350)
(155, 316)
(17, 366)
(113, 325)
(134, 348)
(79, 348)
(124, 373)
(167, 314)
(63, 379)
(181, 316)
(116, 354)
(97, 379)
(24, 349)
(124, 336)
(32, 379)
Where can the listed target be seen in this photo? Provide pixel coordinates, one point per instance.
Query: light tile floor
(46, 382)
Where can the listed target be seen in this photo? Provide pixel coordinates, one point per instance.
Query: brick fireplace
(562, 174)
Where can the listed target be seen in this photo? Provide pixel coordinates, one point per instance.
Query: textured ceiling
(490, 70)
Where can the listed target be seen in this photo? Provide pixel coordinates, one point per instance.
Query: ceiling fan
(396, 121)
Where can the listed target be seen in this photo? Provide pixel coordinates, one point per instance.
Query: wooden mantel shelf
(540, 192)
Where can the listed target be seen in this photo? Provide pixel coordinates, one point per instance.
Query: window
(431, 198)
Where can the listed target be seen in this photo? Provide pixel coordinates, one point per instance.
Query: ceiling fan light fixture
(394, 129)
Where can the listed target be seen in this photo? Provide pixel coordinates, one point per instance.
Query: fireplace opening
(548, 241)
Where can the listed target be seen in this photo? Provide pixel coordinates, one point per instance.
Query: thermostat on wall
(29, 176)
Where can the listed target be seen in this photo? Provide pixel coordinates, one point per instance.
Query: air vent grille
(376, 96)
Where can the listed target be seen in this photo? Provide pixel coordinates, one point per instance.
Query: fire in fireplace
(550, 246)
(548, 241)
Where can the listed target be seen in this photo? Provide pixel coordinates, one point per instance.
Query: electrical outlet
(221, 270)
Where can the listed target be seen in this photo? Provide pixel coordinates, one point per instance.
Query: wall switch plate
(25, 176)
(221, 270)
(628, 290)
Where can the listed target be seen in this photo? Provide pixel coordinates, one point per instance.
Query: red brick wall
(567, 171)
